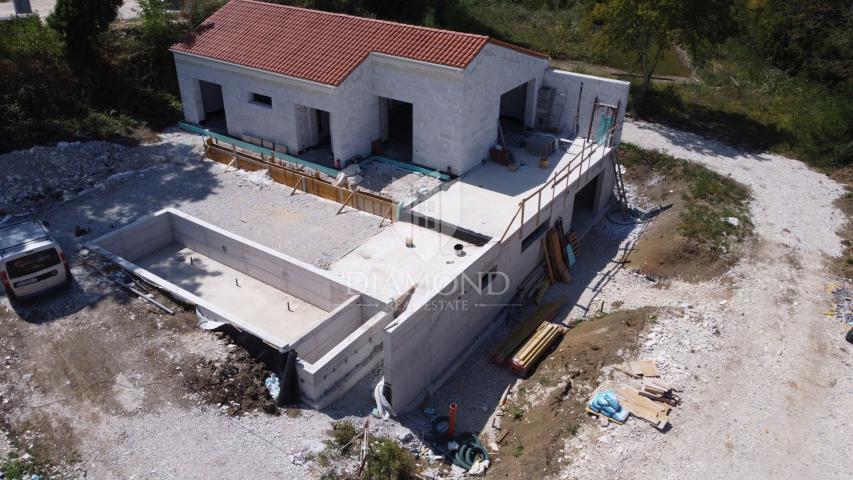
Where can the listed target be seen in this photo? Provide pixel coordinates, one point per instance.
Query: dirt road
(766, 375)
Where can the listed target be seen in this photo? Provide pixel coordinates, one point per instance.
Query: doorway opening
(513, 105)
(397, 121)
(583, 207)
(214, 107)
(316, 135)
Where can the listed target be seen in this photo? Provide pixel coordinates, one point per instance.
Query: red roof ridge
(323, 47)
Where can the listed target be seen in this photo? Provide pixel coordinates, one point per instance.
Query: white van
(31, 262)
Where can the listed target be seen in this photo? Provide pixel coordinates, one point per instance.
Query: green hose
(469, 451)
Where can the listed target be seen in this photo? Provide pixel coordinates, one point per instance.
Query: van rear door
(35, 272)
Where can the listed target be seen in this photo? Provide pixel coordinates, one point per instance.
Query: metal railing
(577, 162)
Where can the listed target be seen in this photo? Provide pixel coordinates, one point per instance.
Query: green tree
(648, 28)
(813, 38)
(79, 23)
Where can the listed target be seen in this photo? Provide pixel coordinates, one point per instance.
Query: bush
(388, 460)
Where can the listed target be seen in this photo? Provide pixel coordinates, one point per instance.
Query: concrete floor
(384, 267)
(253, 301)
(485, 199)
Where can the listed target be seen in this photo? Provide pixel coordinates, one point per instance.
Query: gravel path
(766, 376)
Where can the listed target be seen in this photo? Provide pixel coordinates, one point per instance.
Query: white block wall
(426, 344)
(455, 111)
(607, 91)
(495, 71)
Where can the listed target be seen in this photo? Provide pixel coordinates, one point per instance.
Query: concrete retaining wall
(426, 344)
(327, 379)
(284, 273)
(335, 355)
(139, 239)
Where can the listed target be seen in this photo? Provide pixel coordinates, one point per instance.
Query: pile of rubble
(39, 176)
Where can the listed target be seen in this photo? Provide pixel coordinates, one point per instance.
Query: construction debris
(641, 407)
(640, 369)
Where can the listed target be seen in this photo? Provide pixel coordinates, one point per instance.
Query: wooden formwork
(299, 180)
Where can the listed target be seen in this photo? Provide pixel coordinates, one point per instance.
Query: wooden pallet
(593, 412)
(572, 238)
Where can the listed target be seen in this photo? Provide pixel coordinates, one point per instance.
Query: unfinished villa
(523, 157)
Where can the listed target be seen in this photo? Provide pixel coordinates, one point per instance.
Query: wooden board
(641, 407)
(556, 253)
(646, 368)
(589, 410)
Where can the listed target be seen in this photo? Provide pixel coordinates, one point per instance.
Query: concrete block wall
(335, 327)
(495, 71)
(429, 341)
(424, 344)
(455, 111)
(607, 91)
(436, 94)
(330, 376)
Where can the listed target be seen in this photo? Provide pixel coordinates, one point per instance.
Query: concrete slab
(385, 267)
(485, 199)
(253, 301)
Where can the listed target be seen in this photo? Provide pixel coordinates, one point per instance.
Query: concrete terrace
(485, 199)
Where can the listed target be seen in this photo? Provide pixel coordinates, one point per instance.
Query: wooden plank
(644, 408)
(557, 255)
(548, 266)
(646, 368)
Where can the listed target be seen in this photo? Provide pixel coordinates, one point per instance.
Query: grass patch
(343, 437)
(571, 429)
(16, 468)
(716, 210)
(516, 412)
(385, 458)
(742, 101)
(518, 450)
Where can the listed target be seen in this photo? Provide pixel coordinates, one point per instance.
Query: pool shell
(335, 329)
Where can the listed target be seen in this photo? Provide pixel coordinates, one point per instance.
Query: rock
(733, 221)
(298, 458)
(603, 422)
(405, 437)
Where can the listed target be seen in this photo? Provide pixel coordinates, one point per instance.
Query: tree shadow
(732, 128)
(121, 200)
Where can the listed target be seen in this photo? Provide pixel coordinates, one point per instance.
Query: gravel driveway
(765, 374)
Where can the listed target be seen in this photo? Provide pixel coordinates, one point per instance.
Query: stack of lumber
(555, 256)
(536, 347)
(523, 331)
(641, 407)
(654, 389)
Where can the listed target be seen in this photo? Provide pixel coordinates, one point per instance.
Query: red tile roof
(320, 46)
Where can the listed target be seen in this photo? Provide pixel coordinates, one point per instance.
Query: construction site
(421, 235)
